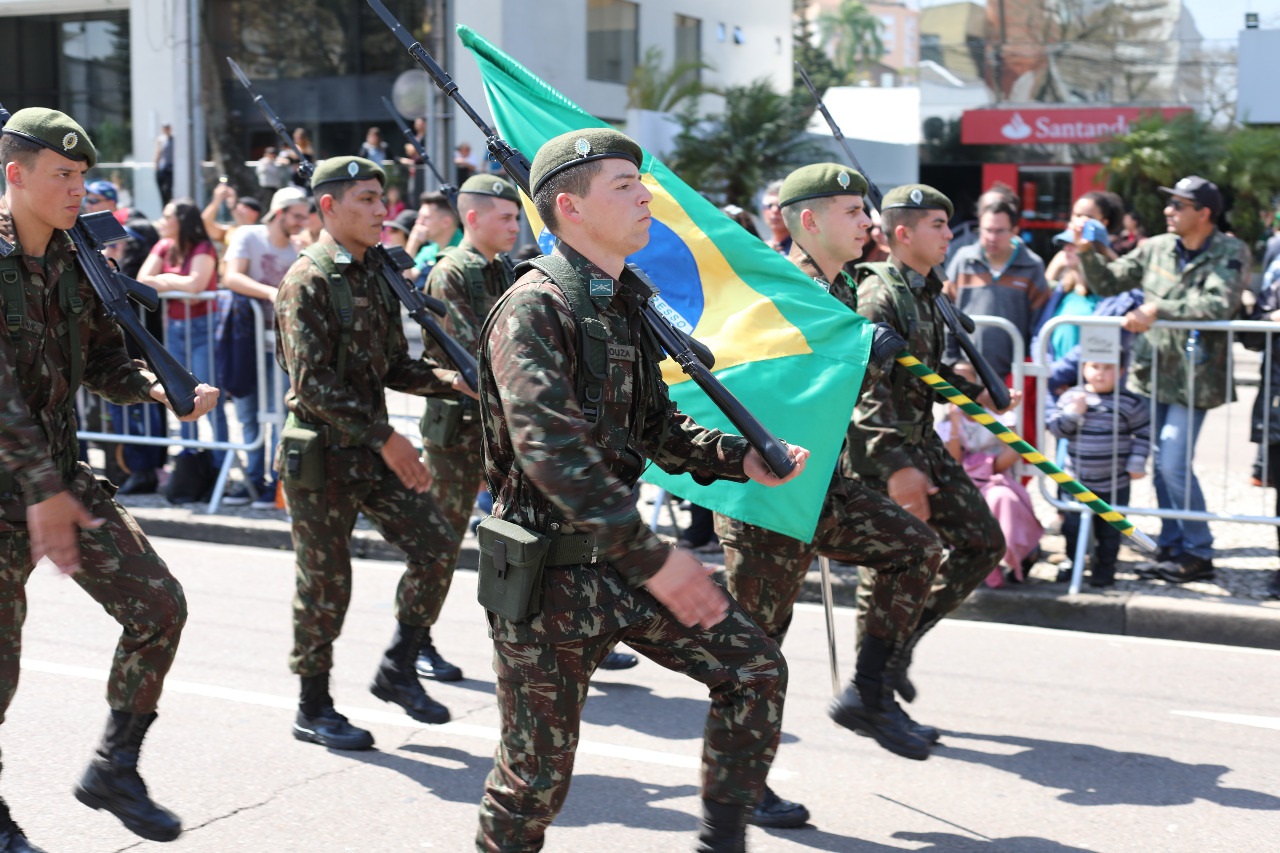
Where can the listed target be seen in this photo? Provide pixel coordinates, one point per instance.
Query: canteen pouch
(302, 455)
(511, 563)
(442, 420)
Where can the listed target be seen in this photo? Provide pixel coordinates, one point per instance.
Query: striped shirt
(1112, 437)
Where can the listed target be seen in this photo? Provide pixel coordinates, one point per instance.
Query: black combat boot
(867, 705)
(724, 828)
(431, 664)
(318, 722)
(776, 813)
(12, 839)
(112, 781)
(895, 671)
(618, 660)
(396, 681)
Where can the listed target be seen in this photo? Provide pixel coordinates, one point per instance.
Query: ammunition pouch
(302, 452)
(444, 418)
(511, 563)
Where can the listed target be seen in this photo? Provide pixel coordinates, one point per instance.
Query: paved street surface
(1055, 742)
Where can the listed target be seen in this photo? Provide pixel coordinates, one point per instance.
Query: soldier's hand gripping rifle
(91, 232)
(387, 263)
(694, 358)
(957, 321)
(448, 190)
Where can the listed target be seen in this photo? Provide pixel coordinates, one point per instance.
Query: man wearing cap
(256, 260)
(50, 503)
(397, 233)
(1191, 272)
(468, 279)
(572, 403)
(824, 210)
(893, 448)
(340, 338)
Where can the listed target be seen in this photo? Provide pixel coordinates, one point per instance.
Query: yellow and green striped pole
(1029, 453)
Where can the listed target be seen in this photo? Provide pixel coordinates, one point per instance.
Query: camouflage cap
(581, 146)
(490, 185)
(917, 197)
(55, 131)
(820, 180)
(347, 169)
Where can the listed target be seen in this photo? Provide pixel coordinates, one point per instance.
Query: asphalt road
(1055, 742)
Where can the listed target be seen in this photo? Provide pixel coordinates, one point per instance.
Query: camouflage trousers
(765, 571)
(122, 572)
(961, 522)
(457, 473)
(541, 690)
(322, 523)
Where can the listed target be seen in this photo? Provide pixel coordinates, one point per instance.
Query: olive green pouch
(302, 454)
(442, 420)
(511, 563)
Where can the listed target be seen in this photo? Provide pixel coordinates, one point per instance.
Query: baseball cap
(106, 189)
(403, 221)
(1203, 192)
(1093, 230)
(282, 199)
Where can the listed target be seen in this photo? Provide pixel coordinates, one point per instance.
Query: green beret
(347, 169)
(581, 146)
(819, 181)
(490, 185)
(55, 131)
(917, 197)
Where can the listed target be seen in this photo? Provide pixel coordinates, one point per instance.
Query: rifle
(693, 357)
(448, 190)
(387, 262)
(90, 233)
(957, 321)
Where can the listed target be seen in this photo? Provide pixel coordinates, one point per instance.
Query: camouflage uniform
(766, 570)
(456, 468)
(551, 470)
(352, 412)
(894, 430)
(38, 459)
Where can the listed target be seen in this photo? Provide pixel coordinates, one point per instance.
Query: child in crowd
(1110, 437)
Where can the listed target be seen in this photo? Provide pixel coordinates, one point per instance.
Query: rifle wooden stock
(420, 307)
(114, 291)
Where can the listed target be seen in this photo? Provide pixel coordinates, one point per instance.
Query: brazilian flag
(792, 353)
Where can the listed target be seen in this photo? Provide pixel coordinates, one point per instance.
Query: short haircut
(438, 200)
(791, 213)
(575, 181)
(478, 202)
(15, 148)
(999, 206)
(337, 189)
(907, 217)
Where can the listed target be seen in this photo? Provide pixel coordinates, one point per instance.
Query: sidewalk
(1229, 610)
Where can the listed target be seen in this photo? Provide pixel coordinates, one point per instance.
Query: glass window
(689, 43)
(613, 40)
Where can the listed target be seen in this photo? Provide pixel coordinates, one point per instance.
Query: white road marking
(1238, 719)
(388, 718)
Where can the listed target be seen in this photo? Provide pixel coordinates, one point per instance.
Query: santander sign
(1053, 125)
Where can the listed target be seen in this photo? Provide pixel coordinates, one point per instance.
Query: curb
(1235, 622)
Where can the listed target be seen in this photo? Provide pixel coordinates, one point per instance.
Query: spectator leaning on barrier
(1192, 272)
(1265, 422)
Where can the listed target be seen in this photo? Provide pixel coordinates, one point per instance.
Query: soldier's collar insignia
(582, 146)
(342, 256)
(917, 197)
(353, 169)
(601, 286)
(843, 180)
(825, 285)
(70, 141)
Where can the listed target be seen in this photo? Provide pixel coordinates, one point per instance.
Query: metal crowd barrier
(1041, 370)
(202, 434)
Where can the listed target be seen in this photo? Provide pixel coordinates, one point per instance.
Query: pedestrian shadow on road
(448, 773)
(1095, 776)
(595, 799)
(940, 842)
(637, 708)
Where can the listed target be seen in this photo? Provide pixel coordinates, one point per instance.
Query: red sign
(1053, 125)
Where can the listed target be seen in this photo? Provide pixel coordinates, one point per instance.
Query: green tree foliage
(729, 157)
(1243, 162)
(814, 60)
(654, 87)
(855, 33)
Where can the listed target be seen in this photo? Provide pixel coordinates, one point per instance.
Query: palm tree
(855, 34)
(653, 88)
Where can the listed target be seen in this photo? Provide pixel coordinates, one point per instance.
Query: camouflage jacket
(38, 446)
(552, 470)
(308, 338)
(449, 282)
(1208, 288)
(893, 422)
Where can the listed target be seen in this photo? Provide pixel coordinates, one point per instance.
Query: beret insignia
(70, 141)
(582, 146)
(917, 197)
(843, 179)
(353, 169)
